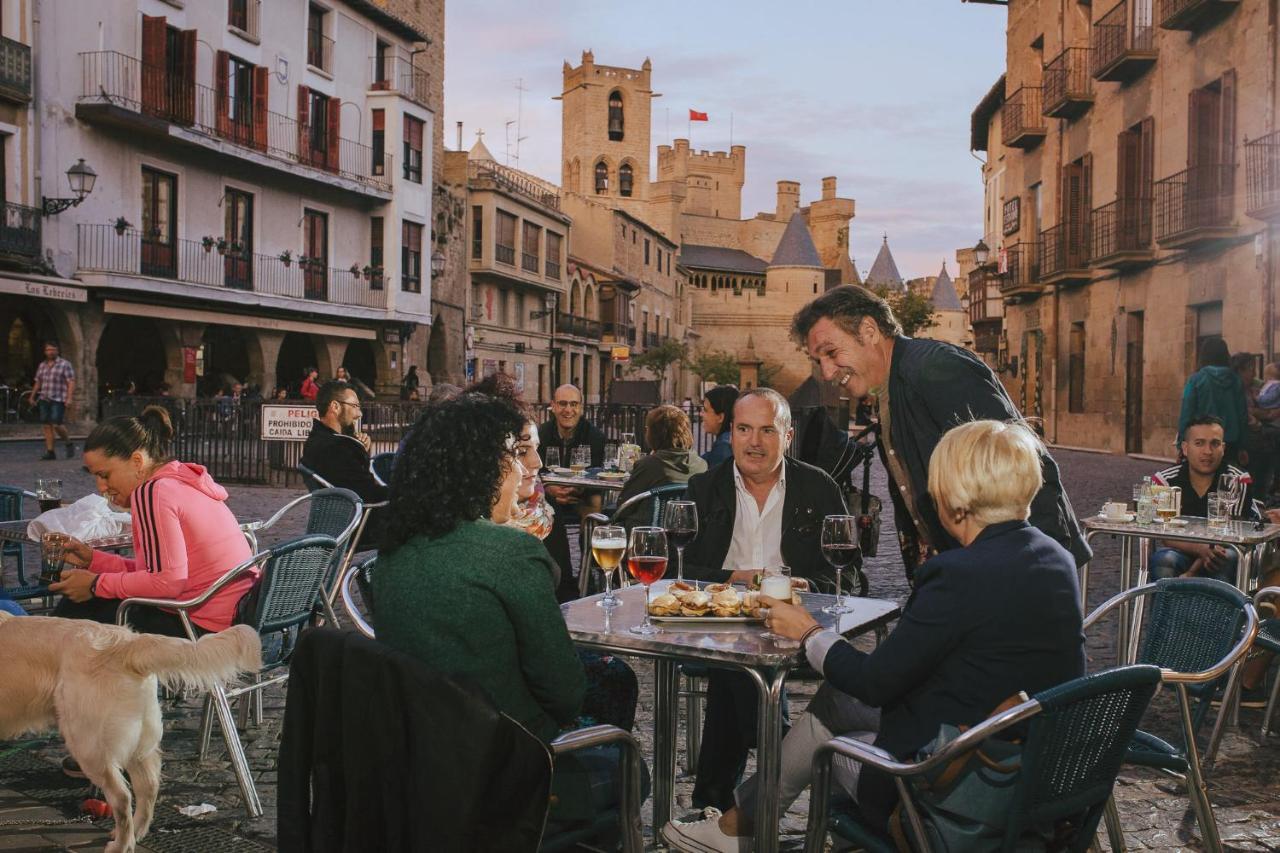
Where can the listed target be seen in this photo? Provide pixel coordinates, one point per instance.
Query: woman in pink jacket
(184, 536)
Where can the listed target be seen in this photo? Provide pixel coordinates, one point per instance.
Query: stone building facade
(1130, 153)
(254, 212)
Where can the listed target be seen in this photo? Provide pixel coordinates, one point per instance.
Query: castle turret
(788, 200)
(605, 118)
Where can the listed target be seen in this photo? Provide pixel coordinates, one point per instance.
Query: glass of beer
(1169, 504)
(579, 459)
(53, 554)
(647, 562)
(608, 544)
(775, 582)
(48, 494)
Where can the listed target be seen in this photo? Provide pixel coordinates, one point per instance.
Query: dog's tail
(212, 659)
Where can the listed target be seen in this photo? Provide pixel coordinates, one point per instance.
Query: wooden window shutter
(222, 120)
(261, 81)
(1227, 100)
(1081, 224)
(304, 109)
(1203, 138)
(185, 88)
(380, 120)
(1128, 164)
(154, 31)
(1147, 176)
(335, 116)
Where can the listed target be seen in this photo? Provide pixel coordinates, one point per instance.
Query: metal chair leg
(257, 701)
(1115, 830)
(1196, 789)
(239, 763)
(1271, 705)
(206, 726)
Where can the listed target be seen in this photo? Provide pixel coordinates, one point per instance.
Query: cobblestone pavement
(1244, 786)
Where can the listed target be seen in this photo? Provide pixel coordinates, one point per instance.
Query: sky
(875, 92)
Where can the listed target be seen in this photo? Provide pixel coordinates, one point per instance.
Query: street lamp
(81, 177)
(437, 263)
(981, 253)
(549, 300)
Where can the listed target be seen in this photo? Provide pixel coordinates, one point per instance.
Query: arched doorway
(362, 365)
(297, 353)
(130, 351)
(226, 359)
(437, 349)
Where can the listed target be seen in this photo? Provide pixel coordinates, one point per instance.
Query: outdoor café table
(735, 645)
(16, 531)
(583, 481)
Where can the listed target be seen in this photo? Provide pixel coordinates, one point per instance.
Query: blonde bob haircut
(989, 470)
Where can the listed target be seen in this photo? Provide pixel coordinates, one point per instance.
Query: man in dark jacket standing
(339, 453)
(566, 429)
(759, 509)
(924, 388)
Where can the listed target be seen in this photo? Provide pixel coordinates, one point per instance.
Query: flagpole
(730, 130)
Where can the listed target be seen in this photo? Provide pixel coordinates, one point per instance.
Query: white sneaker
(704, 836)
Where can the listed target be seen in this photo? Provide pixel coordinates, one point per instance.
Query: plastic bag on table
(91, 517)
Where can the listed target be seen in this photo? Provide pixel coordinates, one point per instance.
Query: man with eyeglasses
(337, 451)
(565, 430)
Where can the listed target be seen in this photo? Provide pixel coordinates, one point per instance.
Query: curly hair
(501, 386)
(667, 428)
(451, 468)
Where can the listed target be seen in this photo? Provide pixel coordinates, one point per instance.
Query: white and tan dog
(97, 684)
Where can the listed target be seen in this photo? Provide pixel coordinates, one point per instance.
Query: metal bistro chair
(359, 577)
(381, 466)
(660, 495)
(1198, 630)
(1074, 747)
(314, 482)
(1268, 639)
(286, 592)
(11, 498)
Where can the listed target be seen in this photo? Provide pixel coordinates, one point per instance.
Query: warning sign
(287, 423)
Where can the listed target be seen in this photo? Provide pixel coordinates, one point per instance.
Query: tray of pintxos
(718, 602)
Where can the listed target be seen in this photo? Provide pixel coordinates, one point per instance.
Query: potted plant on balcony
(222, 245)
(121, 224)
(237, 250)
(355, 271)
(286, 258)
(372, 272)
(207, 242)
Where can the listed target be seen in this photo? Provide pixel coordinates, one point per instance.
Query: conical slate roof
(884, 272)
(796, 249)
(479, 151)
(944, 293)
(853, 265)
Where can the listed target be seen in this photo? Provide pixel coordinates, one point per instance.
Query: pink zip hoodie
(185, 538)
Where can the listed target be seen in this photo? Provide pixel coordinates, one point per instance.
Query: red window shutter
(1227, 121)
(261, 77)
(222, 121)
(1148, 173)
(304, 109)
(185, 89)
(335, 116)
(379, 119)
(153, 71)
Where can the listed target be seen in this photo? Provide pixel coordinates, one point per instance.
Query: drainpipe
(1269, 268)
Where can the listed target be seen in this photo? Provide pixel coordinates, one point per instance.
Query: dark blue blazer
(984, 622)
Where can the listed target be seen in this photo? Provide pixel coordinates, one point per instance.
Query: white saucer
(1123, 519)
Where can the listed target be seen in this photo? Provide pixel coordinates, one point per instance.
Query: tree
(658, 360)
(713, 365)
(914, 310)
(769, 371)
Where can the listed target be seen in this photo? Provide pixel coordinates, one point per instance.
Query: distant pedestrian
(309, 385)
(54, 387)
(1216, 390)
(409, 387)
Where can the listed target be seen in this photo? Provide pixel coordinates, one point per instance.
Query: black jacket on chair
(380, 753)
(811, 495)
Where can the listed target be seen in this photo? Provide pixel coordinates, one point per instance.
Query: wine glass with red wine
(647, 562)
(680, 518)
(841, 550)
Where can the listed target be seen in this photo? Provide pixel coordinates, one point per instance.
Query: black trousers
(145, 620)
(728, 736)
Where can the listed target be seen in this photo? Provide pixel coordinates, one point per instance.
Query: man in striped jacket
(1202, 472)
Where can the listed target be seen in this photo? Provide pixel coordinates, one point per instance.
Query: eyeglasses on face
(567, 404)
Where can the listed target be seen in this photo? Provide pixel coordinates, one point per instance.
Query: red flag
(694, 115)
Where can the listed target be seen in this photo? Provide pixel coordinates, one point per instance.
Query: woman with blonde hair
(999, 615)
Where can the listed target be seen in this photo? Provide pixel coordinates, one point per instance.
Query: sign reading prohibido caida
(287, 423)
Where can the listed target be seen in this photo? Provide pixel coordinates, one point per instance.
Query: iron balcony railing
(395, 73)
(1068, 88)
(119, 80)
(1064, 248)
(1122, 33)
(15, 70)
(1191, 14)
(552, 270)
(504, 254)
(1122, 226)
(1195, 198)
(985, 303)
(620, 332)
(20, 231)
(1262, 176)
(529, 262)
(578, 327)
(1021, 117)
(1022, 267)
(484, 174)
(128, 251)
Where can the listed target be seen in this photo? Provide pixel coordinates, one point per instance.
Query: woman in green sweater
(458, 590)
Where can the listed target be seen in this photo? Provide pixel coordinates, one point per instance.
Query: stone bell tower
(605, 116)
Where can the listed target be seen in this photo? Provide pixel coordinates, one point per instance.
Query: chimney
(828, 189)
(788, 200)
(459, 136)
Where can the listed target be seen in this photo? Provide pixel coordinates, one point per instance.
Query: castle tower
(884, 272)
(794, 277)
(605, 117)
(713, 179)
(829, 219)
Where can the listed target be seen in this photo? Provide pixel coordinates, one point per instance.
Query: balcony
(529, 262)
(504, 254)
(1195, 206)
(1194, 14)
(1064, 258)
(128, 252)
(395, 73)
(1022, 270)
(553, 269)
(985, 303)
(618, 333)
(651, 340)
(1124, 42)
(577, 327)
(487, 175)
(1022, 119)
(1068, 88)
(118, 90)
(1262, 177)
(1120, 234)
(20, 233)
(15, 71)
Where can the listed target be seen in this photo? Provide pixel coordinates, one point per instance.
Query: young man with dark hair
(336, 450)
